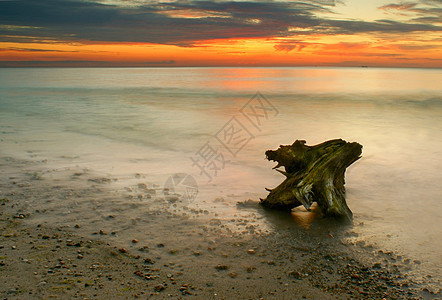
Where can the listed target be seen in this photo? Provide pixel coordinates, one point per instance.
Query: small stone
(134, 241)
(377, 266)
(221, 267)
(79, 256)
(295, 275)
(148, 261)
(102, 232)
(142, 186)
(233, 275)
(251, 251)
(123, 250)
(159, 288)
(77, 226)
(144, 249)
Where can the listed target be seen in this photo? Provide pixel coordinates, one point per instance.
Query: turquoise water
(152, 121)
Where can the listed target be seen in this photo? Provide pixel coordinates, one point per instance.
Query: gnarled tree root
(314, 174)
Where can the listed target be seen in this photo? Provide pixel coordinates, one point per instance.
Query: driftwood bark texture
(314, 174)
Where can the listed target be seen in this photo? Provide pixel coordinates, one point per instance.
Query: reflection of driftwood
(314, 174)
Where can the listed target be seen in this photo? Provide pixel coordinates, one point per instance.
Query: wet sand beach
(173, 250)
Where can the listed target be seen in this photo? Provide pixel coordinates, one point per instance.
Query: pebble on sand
(221, 267)
(295, 275)
(159, 288)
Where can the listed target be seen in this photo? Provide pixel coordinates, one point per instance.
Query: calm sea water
(153, 121)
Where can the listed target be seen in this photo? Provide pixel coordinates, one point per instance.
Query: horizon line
(211, 66)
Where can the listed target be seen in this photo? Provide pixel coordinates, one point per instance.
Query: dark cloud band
(177, 23)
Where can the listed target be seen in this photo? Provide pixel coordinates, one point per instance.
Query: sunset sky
(221, 33)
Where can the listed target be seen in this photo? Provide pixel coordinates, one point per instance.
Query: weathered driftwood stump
(314, 174)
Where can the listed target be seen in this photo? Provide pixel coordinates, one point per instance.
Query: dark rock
(221, 267)
(377, 266)
(295, 274)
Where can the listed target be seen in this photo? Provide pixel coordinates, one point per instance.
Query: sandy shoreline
(175, 252)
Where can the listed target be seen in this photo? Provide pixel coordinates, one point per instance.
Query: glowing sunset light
(220, 33)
